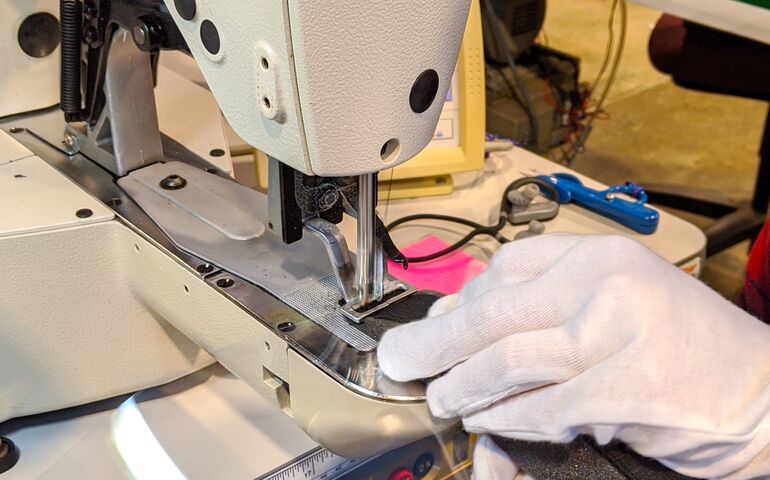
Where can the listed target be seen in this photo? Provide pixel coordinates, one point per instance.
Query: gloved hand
(566, 335)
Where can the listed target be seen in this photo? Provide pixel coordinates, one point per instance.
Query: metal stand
(9, 455)
(126, 135)
(734, 222)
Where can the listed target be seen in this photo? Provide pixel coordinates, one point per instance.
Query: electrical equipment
(533, 93)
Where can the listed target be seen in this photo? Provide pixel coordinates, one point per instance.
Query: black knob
(9, 454)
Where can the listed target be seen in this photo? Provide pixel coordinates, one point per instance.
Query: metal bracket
(218, 202)
(126, 136)
(339, 255)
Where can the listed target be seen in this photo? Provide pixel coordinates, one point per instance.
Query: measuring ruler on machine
(317, 464)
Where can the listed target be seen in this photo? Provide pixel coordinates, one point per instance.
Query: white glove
(566, 335)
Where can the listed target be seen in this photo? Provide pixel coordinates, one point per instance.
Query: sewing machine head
(329, 88)
(326, 89)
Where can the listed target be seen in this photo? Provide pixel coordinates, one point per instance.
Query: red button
(402, 474)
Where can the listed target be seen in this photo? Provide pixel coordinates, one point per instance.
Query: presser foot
(394, 291)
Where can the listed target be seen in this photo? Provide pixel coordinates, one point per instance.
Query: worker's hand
(566, 335)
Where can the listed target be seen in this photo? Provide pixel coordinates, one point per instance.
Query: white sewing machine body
(133, 300)
(104, 305)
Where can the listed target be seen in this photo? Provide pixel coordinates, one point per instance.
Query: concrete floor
(656, 131)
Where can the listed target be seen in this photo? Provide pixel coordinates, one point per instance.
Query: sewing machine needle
(368, 282)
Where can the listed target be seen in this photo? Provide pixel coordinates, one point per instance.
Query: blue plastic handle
(634, 215)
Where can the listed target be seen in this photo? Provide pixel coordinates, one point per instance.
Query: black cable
(478, 229)
(494, 23)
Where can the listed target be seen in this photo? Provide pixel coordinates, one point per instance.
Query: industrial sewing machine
(130, 261)
(122, 272)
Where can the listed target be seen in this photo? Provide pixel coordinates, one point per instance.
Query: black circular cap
(424, 91)
(186, 8)
(286, 327)
(9, 454)
(84, 213)
(205, 268)
(210, 37)
(39, 35)
(173, 182)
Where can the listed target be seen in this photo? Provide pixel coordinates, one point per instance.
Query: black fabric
(583, 459)
(578, 460)
(413, 307)
(635, 466)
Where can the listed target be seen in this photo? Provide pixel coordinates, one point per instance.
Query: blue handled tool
(634, 215)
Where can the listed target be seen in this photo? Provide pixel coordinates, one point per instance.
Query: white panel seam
(295, 87)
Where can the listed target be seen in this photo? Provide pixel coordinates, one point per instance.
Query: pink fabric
(447, 274)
